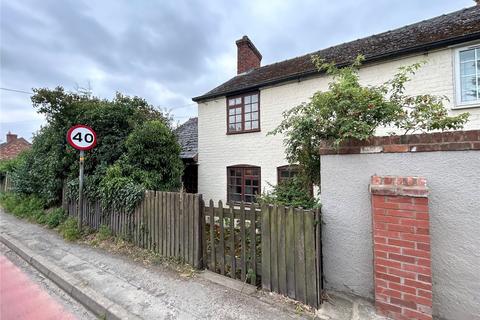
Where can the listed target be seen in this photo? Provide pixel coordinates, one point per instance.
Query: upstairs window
(468, 75)
(243, 113)
(243, 183)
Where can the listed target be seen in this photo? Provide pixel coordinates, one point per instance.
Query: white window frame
(459, 104)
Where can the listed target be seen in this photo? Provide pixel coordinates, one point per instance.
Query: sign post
(81, 138)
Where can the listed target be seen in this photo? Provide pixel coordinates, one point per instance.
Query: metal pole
(80, 190)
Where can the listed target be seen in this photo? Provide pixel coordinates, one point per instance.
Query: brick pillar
(403, 275)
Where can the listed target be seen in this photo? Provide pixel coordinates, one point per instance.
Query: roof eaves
(368, 59)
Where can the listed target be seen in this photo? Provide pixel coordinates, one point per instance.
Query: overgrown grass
(32, 209)
(69, 229)
(104, 233)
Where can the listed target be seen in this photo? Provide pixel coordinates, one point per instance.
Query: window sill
(475, 104)
(240, 132)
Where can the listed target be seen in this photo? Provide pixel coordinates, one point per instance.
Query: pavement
(113, 286)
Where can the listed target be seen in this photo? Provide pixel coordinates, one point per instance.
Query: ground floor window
(243, 183)
(286, 172)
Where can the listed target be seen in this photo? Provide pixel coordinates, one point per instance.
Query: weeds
(104, 233)
(69, 230)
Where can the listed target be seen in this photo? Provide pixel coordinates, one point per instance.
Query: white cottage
(236, 158)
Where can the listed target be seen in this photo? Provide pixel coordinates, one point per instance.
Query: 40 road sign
(82, 137)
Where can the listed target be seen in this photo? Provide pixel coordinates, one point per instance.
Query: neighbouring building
(187, 135)
(13, 146)
(236, 156)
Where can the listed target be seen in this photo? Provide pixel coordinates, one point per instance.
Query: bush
(55, 217)
(29, 207)
(69, 229)
(292, 192)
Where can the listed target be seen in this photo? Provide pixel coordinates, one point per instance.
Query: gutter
(298, 76)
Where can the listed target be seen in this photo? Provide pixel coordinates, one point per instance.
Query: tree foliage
(120, 124)
(349, 110)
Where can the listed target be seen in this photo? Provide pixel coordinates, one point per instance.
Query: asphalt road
(27, 294)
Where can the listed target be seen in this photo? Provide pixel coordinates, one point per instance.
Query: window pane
(248, 125)
(248, 116)
(238, 101)
(248, 99)
(238, 126)
(248, 108)
(231, 112)
(238, 110)
(467, 55)
(238, 118)
(231, 119)
(248, 198)
(467, 68)
(254, 106)
(248, 190)
(236, 197)
(231, 102)
(255, 116)
(255, 98)
(469, 88)
(255, 124)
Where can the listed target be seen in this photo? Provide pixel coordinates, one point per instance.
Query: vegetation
(69, 229)
(349, 110)
(136, 149)
(291, 192)
(32, 208)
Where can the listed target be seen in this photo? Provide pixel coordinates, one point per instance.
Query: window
(243, 113)
(286, 172)
(243, 183)
(468, 75)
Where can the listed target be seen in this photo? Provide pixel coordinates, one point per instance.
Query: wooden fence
(232, 241)
(166, 222)
(275, 246)
(291, 253)
(5, 183)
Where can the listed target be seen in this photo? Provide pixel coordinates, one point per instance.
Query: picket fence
(166, 222)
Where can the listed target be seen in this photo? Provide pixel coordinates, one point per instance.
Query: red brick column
(403, 276)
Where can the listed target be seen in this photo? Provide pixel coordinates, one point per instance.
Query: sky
(169, 51)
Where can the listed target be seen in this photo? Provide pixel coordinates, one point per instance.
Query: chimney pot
(11, 137)
(248, 56)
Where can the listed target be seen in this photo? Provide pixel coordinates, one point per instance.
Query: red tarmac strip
(22, 299)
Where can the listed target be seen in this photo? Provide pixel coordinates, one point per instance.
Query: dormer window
(243, 113)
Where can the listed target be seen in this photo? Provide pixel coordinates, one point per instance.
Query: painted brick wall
(217, 150)
(402, 259)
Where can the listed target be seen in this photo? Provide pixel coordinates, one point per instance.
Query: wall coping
(398, 186)
(425, 142)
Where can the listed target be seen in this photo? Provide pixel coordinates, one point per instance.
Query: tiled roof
(9, 150)
(441, 31)
(187, 135)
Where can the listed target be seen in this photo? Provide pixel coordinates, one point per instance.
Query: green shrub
(30, 207)
(291, 192)
(104, 233)
(69, 229)
(55, 217)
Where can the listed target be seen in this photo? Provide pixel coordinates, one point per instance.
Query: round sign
(81, 137)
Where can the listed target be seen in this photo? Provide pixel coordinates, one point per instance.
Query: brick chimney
(248, 57)
(11, 137)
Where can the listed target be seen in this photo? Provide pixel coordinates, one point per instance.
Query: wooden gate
(232, 237)
(276, 247)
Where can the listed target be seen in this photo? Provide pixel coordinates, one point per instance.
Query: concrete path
(140, 291)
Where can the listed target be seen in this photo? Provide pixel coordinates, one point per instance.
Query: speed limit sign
(82, 137)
